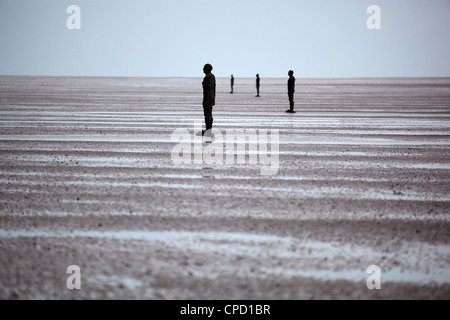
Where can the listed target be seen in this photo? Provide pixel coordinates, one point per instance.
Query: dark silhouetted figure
(291, 90)
(209, 98)
(232, 83)
(257, 85)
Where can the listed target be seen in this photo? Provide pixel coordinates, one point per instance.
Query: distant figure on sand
(291, 90)
(257, 85)
(232, 83)
(209, 98)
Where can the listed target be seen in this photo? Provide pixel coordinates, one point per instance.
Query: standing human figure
(209, 98)
(232, 83)
(257, 85)
(291, 90)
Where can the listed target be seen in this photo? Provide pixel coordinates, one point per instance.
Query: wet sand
(87, 179)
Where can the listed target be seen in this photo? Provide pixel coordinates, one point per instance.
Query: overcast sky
(315, 38)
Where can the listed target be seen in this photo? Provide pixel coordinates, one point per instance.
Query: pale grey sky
(315, 38)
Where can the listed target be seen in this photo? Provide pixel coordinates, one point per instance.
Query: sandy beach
(87, 178)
